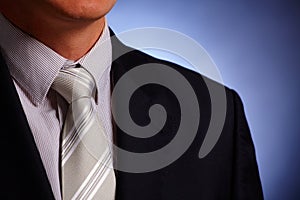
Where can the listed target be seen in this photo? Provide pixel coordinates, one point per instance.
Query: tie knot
(74, 83)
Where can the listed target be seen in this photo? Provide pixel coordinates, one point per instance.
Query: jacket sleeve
(247, 184)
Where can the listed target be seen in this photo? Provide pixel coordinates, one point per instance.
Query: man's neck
(71, 39)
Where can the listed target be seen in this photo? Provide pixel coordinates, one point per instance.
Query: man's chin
(83, 10)
(81, 16)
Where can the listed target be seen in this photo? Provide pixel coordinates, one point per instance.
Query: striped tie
(86, 162)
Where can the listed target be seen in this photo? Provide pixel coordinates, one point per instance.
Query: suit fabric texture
(229, 171)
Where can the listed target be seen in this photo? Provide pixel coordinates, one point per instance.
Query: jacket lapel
(132, 186)
(23, 172)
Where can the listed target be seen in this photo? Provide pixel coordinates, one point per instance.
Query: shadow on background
(256, 45)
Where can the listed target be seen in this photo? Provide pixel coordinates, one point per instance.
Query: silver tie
(86, 160)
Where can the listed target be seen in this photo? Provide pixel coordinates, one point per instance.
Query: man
(43, 42)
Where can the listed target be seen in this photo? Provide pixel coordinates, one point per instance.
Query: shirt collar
(99, 58)
(34, 66)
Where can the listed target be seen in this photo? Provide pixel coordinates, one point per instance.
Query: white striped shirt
(33, 67)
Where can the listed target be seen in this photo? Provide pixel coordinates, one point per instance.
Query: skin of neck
(70, 37)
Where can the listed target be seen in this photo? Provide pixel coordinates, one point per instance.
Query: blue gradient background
(255, 44)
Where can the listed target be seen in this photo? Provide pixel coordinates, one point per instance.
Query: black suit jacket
(228, 172)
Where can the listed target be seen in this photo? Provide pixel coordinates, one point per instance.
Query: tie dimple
(74, 83)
